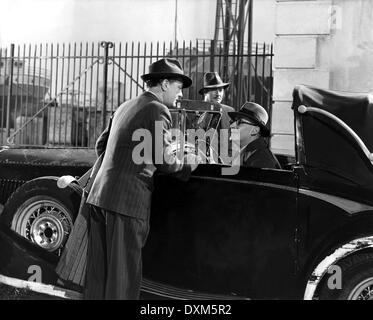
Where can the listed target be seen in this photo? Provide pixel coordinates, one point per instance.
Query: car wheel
(43, 213)
(357, 279)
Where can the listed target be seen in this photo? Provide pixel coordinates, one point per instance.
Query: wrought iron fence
(61, 95)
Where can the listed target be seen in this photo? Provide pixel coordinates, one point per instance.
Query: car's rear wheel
(363, 290)
(357, 279)
(43, 213)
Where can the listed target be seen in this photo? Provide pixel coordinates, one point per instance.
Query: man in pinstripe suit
(121, 192)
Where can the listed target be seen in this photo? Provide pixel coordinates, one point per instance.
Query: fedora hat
(255, 113)
(167, 68)
(212, 80)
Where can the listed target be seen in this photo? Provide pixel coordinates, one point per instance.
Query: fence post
(212, 55)
(249, 47)
(106, 45)
(10, 90)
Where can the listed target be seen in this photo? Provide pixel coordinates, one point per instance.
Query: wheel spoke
(370, 292)
(37, 213)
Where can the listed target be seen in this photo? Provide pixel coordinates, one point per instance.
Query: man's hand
(193, 160)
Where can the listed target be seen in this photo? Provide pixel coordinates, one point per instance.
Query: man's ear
(164, 84)
(255, 131)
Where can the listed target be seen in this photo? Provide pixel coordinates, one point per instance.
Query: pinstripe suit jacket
(121, 185)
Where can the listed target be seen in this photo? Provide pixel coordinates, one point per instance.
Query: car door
(231, 235)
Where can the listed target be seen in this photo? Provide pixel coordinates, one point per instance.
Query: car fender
(338, 254)
(49, 182)
(62, 182)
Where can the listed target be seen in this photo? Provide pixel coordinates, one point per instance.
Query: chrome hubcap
(46, 231)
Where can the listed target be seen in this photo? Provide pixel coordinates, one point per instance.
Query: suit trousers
(114, 261)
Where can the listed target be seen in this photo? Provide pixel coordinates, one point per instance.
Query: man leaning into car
(121, 192)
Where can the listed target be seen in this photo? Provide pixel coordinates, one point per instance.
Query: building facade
(325, 43)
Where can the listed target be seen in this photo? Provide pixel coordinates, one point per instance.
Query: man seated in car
(213, 91)
(251, 121)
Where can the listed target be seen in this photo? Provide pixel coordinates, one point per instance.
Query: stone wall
(351, 46)
(302, 29)
(325, 43)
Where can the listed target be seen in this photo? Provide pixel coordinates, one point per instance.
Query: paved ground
(10, 293)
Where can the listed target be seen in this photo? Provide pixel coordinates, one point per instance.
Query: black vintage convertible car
(301, 232)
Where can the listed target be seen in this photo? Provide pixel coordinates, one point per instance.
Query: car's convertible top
(324, 146)
(355, 109)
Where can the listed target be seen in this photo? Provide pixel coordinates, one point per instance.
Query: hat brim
(215, 86)
(187, 82)
(237, 115)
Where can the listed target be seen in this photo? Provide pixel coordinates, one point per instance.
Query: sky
(42, 21)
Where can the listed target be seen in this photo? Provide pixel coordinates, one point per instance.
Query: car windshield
(195, 125)
(191, 114)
